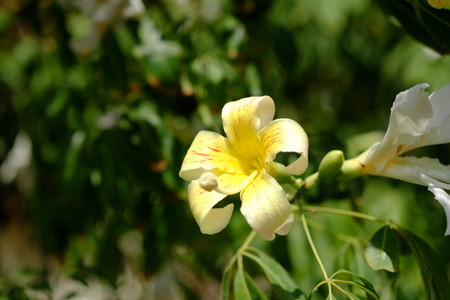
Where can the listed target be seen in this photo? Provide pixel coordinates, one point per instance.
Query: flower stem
(313, 248)
(311, 180)
(241, 249)
(247, 242)
(314, 209)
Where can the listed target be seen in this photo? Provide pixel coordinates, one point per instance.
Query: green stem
(339, 236)
(314, 209)
(247, 242)
(311, 180)
(241, 249)
(313, 248)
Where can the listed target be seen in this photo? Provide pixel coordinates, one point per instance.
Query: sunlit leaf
(382, 252)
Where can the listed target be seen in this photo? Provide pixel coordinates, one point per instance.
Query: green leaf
(246, 288)
(423, 22)
(331, 297)
(225, 285)
(382, 252)
(365, 284)
(437, 285)
(352, 296)
(284, 286)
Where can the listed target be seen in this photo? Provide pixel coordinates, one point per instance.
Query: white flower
(416, 120)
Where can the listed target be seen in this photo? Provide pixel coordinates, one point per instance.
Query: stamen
(208, 181)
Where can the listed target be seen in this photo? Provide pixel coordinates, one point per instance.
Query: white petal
(266, 208)
(440, 195)
(410, 168)
(410, 116)
(440, 101)
(210, 220)
(217, 219)
(439, 127)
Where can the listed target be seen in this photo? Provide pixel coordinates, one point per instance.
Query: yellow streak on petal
(243, 119)
(285, 135)
(210, 151)
(266, 208)
(210, 220)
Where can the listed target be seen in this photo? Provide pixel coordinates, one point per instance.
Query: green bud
(331, 165)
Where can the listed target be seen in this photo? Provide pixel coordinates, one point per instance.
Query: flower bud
(331, 165)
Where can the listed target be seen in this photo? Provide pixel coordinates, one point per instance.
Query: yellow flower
(242, 163)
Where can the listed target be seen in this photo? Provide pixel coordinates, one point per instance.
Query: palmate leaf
(284, 286)
(437, 285)
(424, 23)
(382, 252)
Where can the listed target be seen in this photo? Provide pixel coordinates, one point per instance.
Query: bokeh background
(100, 100)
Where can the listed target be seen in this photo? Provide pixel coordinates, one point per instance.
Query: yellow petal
(230, 184)
(210, 220)
(227, 184)
(210, 151)
(266, 208)
(243, 119)
(285, 135)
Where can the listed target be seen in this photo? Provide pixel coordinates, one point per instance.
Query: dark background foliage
(100, 194)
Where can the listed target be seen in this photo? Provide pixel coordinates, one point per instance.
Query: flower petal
(439, 128)
(440, 195)
(410, 168)
(211, 220)
(243, 119)
(410, 117)
(231, 184)
(210, 151)
(285, 135)
(266, 208)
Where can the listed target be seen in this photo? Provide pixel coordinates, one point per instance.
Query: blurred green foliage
(109, 129)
